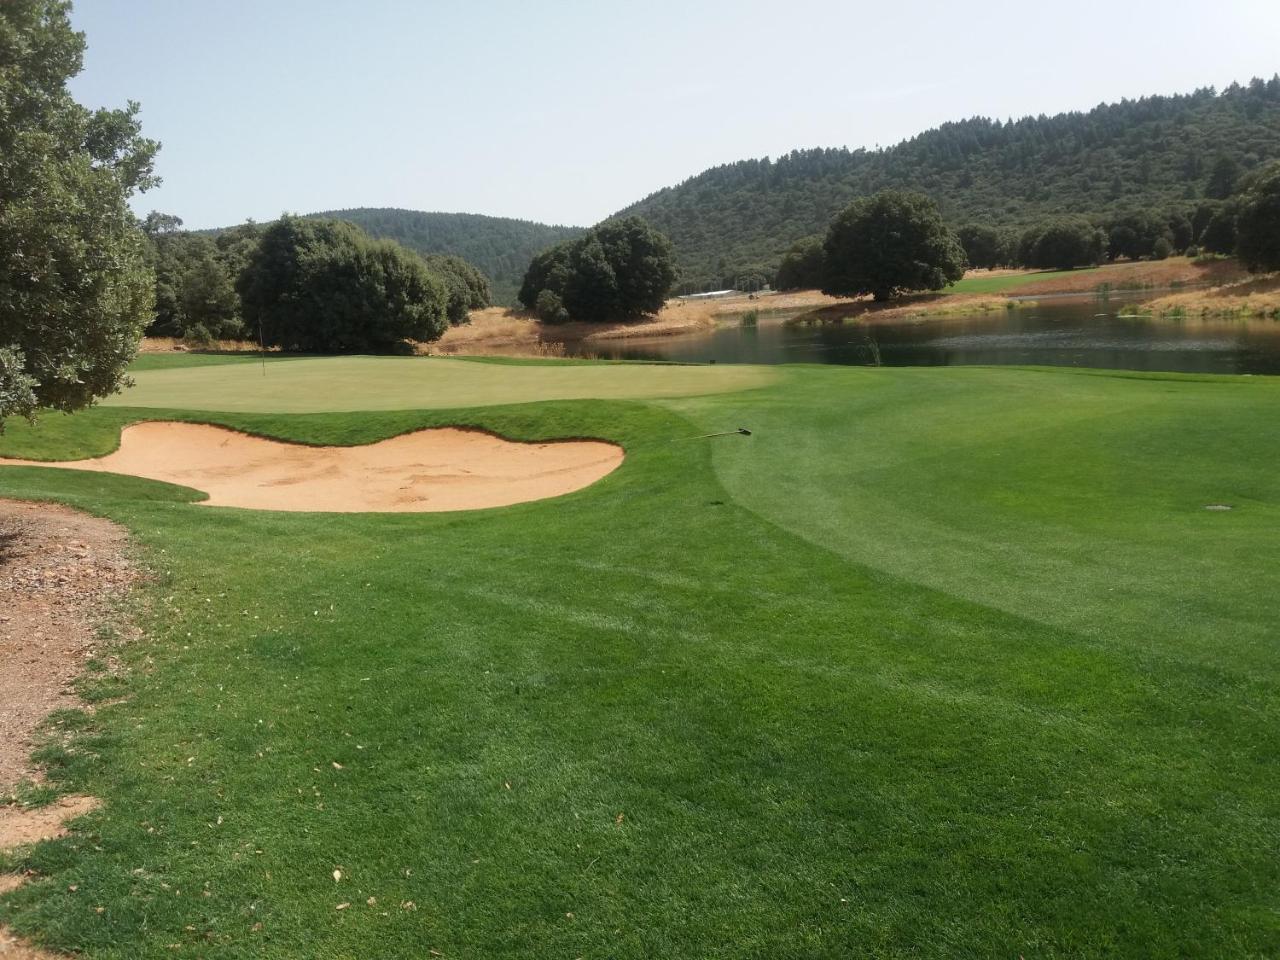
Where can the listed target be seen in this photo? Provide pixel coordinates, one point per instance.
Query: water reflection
(1065, 332)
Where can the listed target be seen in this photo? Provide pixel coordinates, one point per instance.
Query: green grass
(942, 662)
(185, 359)
(340, 384)
(1011, 282)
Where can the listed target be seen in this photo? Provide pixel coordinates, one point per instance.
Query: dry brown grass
(921, 306)
(1142, 275)
(175, 345)
(1255, 297)
(500, 330)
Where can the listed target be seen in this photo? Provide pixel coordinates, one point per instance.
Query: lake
(1059, 331)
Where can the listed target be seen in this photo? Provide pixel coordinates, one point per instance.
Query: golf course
(965, 661)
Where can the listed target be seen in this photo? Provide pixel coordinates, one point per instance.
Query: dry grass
(176, 345)
(918, 307)
(1255, 297)
(1142, 275)
(500, 330)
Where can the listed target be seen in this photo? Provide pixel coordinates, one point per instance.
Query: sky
(565, 112)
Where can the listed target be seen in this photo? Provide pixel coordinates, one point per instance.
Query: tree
(195, 296)
(618, 270)
(802, 265)
(985, 247)
(890, 243)
(1134, 234)
(550, 309)
(1063, 244)
(75, 291)
(1223, 177)
(1258, 220)
(157, 224)
(1219, 234)
(210, 305)
(324, 286)
(549, 270)
(466, 286)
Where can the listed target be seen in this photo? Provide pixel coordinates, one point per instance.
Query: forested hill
(1153, 152)
(500, 247)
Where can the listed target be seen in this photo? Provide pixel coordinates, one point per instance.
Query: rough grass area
(946, 662)
(1256, 297)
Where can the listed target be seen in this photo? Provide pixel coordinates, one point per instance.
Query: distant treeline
(1246, 224)
(1156, 158)
(342, 288)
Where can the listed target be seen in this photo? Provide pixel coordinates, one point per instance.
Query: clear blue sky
(566, 111)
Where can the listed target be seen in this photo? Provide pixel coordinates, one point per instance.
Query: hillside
(1153, 152)
(498, 246)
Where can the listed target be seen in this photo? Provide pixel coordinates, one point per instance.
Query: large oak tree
(75, 291)
(889, 244)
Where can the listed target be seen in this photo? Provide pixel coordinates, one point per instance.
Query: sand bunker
(425, 471)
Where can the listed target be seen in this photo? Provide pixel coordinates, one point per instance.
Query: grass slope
(829, 690)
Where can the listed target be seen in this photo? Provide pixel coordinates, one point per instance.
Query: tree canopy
(1258, 220)
(499, 247)
(466, 287)
(620, 269)
(889, 244)
(801, 267)
(1063, 243)
(324, 286)
(75, 291)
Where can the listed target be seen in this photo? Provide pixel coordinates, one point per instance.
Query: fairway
(936, 662)
(338, 384)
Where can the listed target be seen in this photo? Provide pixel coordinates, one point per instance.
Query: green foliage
(1135, 233)
(195, 296)
(889, 244)
(499, 247)
(1148, 153)
(1162, 249)
(550, 308)
(75, 291)
(1258, 221)
(324, 286)
(618, 270)
(1219, 234)
(1062, 244)
(548, 270)
(466, 287)
(1223, 177)
(987, 247)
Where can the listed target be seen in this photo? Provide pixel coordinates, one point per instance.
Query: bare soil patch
(59, 569)
(20, 826)
(420, 472)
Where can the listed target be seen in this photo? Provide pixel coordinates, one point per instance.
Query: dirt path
(59, 572)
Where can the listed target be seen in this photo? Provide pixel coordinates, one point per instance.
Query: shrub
(1163, 249)
(550, 308)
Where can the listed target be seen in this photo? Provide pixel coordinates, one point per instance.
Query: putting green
(342, 384)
